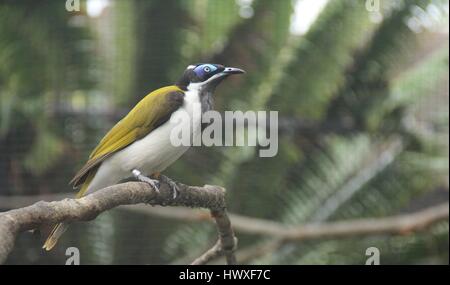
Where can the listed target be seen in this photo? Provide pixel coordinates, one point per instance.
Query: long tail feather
(54, 236)
(60, 228)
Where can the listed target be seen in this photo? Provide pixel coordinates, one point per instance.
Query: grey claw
(173, 186)
(175, 192)
(154, 183)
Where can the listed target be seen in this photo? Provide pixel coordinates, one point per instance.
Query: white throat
(197, 86)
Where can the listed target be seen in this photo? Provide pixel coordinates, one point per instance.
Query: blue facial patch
(204, 70)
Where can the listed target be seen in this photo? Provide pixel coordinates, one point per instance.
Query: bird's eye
(206, 69)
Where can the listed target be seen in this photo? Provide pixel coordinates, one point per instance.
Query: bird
(140, 143)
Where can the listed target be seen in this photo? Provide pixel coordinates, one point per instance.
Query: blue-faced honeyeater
(140, 142)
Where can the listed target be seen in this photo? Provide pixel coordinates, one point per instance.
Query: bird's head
(205, 76)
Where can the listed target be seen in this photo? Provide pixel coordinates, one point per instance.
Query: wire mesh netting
(362, 96)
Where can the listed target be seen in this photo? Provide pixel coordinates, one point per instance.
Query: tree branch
(396, 225)
(249, 225)
(211, 254)
(400, 224)
(89, 207)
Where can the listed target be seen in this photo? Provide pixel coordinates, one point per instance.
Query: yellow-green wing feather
(147, 115)
(153, 110)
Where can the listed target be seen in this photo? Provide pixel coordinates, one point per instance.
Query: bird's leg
(155, 175)
(172, 184)
(139, 176)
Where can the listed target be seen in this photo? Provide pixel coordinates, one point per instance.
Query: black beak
(216, 79)
(232, 70)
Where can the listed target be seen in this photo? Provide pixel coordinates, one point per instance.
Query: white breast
(151, 154)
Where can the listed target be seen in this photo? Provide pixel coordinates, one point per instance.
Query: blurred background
(361, 90)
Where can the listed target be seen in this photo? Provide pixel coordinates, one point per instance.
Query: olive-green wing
(152, 111)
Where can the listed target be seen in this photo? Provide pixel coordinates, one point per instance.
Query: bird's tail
(60, 228)
(54, 236)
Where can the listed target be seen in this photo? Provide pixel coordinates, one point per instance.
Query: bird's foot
(172, 184)
(139, 176)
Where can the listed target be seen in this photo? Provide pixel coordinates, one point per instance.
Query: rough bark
(89, 207)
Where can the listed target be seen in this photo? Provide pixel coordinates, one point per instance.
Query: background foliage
(362, 99)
